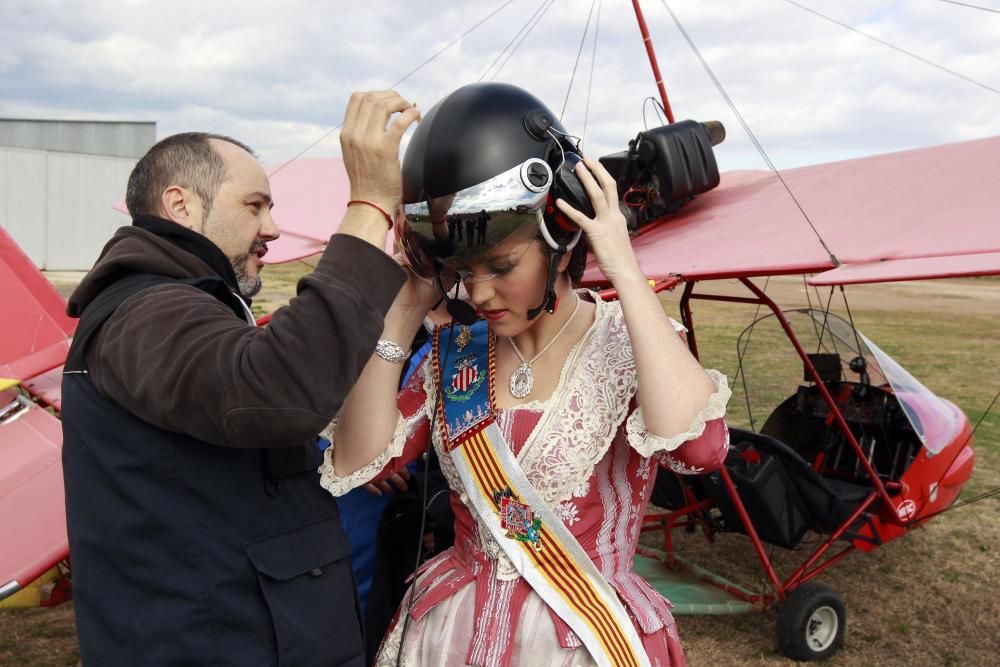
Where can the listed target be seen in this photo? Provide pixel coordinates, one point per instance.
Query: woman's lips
(493, 315)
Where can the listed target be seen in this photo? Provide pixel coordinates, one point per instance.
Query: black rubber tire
(811, 623)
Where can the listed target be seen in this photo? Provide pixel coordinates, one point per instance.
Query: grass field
(929, 598)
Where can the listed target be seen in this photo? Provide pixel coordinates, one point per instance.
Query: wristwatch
(390, 351)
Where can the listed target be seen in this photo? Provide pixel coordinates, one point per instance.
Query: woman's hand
(606, 232)
(417, 294)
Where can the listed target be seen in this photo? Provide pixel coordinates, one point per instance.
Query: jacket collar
(196, 244)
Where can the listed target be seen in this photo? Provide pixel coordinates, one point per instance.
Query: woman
(548, 415)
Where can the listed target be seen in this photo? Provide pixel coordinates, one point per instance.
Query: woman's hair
(577, 257)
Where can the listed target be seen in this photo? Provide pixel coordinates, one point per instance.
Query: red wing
(310, 199)
(34, 327)
(932, 211)
(32, 504)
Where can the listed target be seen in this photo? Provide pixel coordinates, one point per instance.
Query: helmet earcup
(567, 186)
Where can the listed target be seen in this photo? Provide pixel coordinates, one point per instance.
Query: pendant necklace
(522, 380)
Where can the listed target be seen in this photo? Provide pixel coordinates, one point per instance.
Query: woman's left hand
(606, 232)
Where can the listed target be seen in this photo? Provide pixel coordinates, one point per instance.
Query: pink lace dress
(586, 450)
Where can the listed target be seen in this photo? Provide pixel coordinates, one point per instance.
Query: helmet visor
(455, 230)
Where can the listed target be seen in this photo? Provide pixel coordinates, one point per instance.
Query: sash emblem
(518, 519)
(464, 337)
(465, 379)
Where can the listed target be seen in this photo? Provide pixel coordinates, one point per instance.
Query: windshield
(772, 370)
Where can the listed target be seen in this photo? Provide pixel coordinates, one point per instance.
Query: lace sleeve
(339, 486)
(648, 444)
(408, 440)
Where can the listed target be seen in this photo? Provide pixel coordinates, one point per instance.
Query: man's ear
(182, 206)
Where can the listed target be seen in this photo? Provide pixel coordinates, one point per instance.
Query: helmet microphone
(461, 311)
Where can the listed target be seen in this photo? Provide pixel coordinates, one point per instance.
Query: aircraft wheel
(811, 623)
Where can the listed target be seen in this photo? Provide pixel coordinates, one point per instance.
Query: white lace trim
(648, 444)
(430, 391)
(392, 645)
(590, 402)
(339, 486)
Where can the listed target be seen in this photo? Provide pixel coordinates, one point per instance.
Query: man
(198, 531)
(481, 222)
(470, 230)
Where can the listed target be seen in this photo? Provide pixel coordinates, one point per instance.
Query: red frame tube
(652, 60)
(838, 417)
(802, 573)
(758, 546)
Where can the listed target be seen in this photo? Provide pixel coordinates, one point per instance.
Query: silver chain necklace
(522, 380)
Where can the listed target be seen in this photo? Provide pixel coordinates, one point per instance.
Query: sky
(277, 75)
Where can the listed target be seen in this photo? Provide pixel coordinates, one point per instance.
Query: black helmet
(485, 162)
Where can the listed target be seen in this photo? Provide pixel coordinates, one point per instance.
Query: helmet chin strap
(548, 303)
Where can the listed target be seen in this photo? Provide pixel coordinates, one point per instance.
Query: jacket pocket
(306, 580)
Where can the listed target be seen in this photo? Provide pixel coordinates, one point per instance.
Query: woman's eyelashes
(501, 270)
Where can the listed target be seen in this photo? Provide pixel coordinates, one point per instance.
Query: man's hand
(392, 484)
(370, 145)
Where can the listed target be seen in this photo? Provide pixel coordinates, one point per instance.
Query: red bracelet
(388, 218)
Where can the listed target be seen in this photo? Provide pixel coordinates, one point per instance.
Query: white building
(59, 180)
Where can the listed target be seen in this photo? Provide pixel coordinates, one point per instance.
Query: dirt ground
(930, 598)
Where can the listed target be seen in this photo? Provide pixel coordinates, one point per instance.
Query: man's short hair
(187, 160)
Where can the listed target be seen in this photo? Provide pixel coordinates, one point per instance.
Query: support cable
(583, 38)
(523, 37)
(593, 64)
(976, 498)
(514, 38)
(741, 352)
(966, 4)
(749, 132)
(896, 48)
(407, 76)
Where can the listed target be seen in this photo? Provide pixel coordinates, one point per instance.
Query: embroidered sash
(535, 540)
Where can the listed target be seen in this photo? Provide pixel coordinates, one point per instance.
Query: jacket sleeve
(179, 359)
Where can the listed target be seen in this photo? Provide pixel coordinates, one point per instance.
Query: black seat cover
(825, 503)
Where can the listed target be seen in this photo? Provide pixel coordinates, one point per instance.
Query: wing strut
(746, 127)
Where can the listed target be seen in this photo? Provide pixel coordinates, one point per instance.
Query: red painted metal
(832, 560)
(763, 299)
(796, 577)
(34, 327)
(688, 319)
(758, 546)
(749, 226)
(821, 387)
(610, 293)
(33, 504)
(652, 60)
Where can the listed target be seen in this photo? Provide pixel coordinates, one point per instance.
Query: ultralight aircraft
(856, 450)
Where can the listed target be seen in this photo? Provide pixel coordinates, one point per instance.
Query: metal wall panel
(80, 192)
(119, 139)
(22, 200)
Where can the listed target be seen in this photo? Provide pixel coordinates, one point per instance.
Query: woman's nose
(479, 292)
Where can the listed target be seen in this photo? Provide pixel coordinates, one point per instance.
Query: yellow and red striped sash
(538, 544)
(554, 563)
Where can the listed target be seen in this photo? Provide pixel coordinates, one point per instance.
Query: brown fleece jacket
(179, 359)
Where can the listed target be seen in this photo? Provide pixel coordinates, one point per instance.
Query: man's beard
(249, 285)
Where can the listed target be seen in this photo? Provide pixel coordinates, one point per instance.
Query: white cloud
(278, 75)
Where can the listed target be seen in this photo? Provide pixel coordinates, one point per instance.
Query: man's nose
(269, 229)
